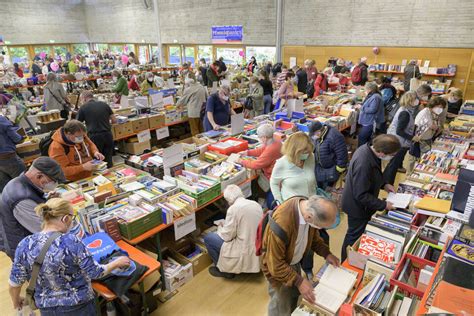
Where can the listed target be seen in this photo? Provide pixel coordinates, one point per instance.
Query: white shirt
(301, 239)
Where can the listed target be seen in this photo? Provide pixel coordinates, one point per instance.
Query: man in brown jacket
(300, 218)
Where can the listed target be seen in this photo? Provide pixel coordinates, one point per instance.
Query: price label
(162, 132)
(143, 136)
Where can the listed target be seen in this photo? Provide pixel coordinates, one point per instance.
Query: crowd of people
(297, 176)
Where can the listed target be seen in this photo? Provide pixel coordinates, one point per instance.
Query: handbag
(30, 290)
(414, 82)
(415, 149)
(248, 104)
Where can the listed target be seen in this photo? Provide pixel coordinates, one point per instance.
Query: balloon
(54, 66)
(241, 53)
(376, 50)
(42, 55)
(124, 59)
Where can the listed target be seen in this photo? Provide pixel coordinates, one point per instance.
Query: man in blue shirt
(11, 166)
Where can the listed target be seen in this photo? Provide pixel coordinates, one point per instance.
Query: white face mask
(188, 81)
(225, 98)
(114, 79)
(314, 226)
(417, 102)
(78, 139)
(386, 158)
(50, 186)
(424, 98)
(437, 111)
(452, 100)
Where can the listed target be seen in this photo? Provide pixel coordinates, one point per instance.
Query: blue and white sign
(227, 34)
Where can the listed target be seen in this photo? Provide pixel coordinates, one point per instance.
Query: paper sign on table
(157, 100)
(168, 100)
(171, 83)
(162, 132)
(184, 225)
(214, 87)
(141, 102)
(172, 156)
(143, 136)
(237, 123)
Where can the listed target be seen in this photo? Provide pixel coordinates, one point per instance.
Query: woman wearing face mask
(293, 175)
(427, 125)
(454, 101)
(321, 83)
(193, 97)
(148, 83)
(252, 65)
(74, 151)
(267, 86)
(288, 90)
(267, 154)
(218, 109)
(121, 85)
(256, 93)
(63, 285)
(370, 112)
(402, 126)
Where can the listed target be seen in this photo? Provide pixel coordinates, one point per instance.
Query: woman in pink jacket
(267, 154)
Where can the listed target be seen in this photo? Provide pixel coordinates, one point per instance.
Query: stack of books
(374, 296)
(176, 206)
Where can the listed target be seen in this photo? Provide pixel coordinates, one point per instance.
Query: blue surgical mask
(304, 156)
(78, 139)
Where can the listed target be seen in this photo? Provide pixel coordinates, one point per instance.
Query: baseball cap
(315, 126)
(50, 168)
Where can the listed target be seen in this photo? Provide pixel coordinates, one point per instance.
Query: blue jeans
(213, 244)
(9, 169)
(365, 134)
(267, 101)
(85, 309)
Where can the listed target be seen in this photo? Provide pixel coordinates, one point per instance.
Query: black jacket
(363, 182)
(331, 149)
(302, 80)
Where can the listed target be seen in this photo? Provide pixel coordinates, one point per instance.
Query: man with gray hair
(300, 219)
(232, 248)
(218, 109)
(193, 97)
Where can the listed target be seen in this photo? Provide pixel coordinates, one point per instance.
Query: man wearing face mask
(300, 219)
(363, 183)
(193, 97)
(218, 109)
(148, 83)
(20, 197)
(74, 151)
(121, 85)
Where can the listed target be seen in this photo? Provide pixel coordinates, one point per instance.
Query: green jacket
(121, 87)
(72, 67)
(211, 77)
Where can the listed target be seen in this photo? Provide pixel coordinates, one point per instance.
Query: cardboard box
(199, 262)
(140, 124)
(240, 177)
(134, 148)
(180, 277)
(122, 130)
(156, 121)
(150, 281)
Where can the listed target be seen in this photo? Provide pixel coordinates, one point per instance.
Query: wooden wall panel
(438, 57)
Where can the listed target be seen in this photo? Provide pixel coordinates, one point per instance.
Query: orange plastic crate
(243, 145)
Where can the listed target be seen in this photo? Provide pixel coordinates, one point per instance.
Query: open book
(334, 287)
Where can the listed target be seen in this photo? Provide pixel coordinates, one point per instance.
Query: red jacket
(133, 84)
(267, 156)
(19, 73)
(321, 83)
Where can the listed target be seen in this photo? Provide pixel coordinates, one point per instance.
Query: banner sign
(227, 34)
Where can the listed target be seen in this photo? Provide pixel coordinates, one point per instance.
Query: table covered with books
(418, 258)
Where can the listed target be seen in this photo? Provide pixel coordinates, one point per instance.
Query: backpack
(248, 104)
(356, 75)
(45, 143)
(276, 229)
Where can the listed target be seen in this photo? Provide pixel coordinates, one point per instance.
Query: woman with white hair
(232, 248)
(322, 82)
(267, 154)
(370, 112)
(218, 109)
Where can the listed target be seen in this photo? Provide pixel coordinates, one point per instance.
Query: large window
(41, 50)
(174, 55)
(206, 53)
(122, 48)
(232, 56)
(80, 49)
(143, 54)
(19, 55)
(102, 47)
(60, 51)
(262, 54)
(189, 55)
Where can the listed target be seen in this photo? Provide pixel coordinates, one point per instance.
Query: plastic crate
(418, 264)
(140, 226)
(243, 145)
(282, 116)
(283, 125)
(205, 196)
(303, 127)
(297, 115)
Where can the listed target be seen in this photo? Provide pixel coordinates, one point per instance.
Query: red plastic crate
(244, 145)
(418, 220)
(418, 264)
(283, 125)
